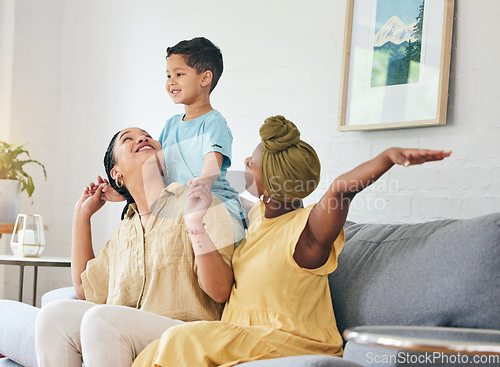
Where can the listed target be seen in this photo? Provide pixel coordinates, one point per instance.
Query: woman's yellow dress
(276, 308)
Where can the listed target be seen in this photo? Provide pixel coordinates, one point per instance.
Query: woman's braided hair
(109, 163)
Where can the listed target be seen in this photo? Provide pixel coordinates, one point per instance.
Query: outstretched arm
(328, 217)
(82, 251)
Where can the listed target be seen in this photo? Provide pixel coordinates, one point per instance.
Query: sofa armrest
(17, 332)
(17, 328)
(60, 293)
(6, 362)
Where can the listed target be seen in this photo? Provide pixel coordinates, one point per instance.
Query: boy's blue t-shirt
(185, 144)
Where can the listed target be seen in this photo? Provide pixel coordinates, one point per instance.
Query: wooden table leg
(35, 276)
(21, 280)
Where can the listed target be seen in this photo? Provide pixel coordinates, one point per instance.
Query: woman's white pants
(68, 332)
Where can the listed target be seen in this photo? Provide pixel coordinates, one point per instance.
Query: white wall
(85, 69)
(7, 18)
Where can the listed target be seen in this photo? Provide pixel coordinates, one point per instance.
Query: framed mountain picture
(396, 64)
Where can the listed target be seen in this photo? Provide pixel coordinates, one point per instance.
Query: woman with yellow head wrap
(280, 304)
(290, 167)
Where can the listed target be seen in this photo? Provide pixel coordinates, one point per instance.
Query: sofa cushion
(440, 273)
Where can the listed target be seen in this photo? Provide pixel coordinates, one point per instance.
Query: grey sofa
(439, 273)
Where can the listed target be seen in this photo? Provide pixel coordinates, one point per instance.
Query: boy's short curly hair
(201, 54)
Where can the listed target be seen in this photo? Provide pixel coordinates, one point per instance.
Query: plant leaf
(29, 186)
(11, 167)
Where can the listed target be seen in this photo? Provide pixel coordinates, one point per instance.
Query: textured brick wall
(468, 183)
(305, 87)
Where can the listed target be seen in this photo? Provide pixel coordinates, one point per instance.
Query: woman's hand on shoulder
(199, 199)
(91, 200)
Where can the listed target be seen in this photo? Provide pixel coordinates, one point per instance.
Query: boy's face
(184, 84)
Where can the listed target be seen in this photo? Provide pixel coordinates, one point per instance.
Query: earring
(118, 183)
(262, 199)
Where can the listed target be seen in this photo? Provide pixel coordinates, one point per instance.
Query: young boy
(198, 143)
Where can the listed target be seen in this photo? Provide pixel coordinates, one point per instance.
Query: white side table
(450, 340)
(64, 262)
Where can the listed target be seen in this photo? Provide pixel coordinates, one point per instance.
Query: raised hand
(410, 157)
(108, 193)
(91, 200)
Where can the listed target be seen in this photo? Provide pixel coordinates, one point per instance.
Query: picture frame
(395, 70)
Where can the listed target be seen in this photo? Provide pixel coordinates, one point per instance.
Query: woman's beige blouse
(155, 269)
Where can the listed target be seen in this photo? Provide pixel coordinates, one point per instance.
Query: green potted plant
(13, 179)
